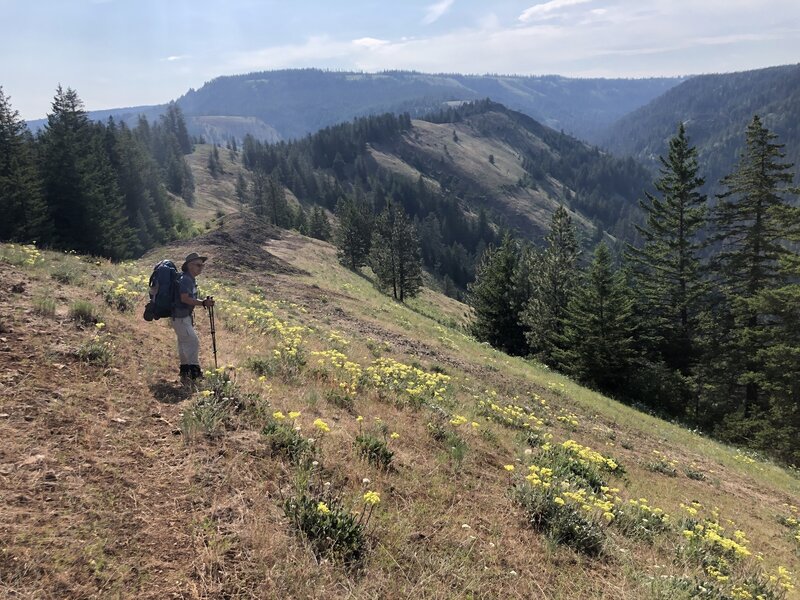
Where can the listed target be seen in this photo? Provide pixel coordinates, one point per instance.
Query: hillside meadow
(348, 446)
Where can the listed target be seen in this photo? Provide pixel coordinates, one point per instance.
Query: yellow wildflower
(372, 498)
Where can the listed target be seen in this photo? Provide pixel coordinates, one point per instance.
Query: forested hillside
(95, 188)
(715, 110)
(698, 323)
(462, 174)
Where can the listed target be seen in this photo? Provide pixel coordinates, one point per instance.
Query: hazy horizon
(117, 53)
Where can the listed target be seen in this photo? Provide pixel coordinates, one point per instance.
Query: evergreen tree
(753, 230)
(354, 232)
(25, 215)
(599, 329)
(777, 358)
(301, 220)
(394, 256)
(214, 165)
(669, 283)
(319, 226)
(241, 189)
(80, 184)
(495, 298)
(552, 275)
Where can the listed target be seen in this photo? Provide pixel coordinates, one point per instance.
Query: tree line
(700, 322)
(96, 188)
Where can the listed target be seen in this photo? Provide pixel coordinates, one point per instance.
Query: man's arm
(188, 300)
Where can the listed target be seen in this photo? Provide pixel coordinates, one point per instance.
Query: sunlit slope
(433, 465)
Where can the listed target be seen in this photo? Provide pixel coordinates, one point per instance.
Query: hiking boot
(195, 372)
(186, 372)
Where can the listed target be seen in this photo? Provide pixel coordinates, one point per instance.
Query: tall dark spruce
(599, 330)
(553, 275)
(25, 216)
(755, 223)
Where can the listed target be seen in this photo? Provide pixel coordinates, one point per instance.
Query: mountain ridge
(296, 102)
(715, 110)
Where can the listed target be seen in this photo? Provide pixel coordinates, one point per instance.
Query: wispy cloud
(175, 57)
(435, 11)
(547, 10)
(609, 38)
(370, 42)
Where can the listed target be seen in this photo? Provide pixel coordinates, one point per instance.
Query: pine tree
(777, 357)
(354, 232)
(495, 298)
(319, 226)
(395, 257)
(241, 189)
(667, 267)
(25, 215)
(599, 330)
(552, 275)
(214, 165)
(63, 140)
(753, 230)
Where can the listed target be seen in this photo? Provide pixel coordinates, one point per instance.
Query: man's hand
(208, 302)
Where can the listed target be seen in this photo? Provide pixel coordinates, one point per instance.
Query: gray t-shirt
(186, 285)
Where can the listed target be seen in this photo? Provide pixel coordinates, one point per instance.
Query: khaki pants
(188, 344)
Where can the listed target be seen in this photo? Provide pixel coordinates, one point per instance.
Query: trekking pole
(210, 310)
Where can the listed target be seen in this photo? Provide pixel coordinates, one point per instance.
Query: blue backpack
(164, 293)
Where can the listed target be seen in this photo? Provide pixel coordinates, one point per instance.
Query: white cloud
(547, 10)
(617, 39)
(175, 57)
(435, 11)
(369, 42)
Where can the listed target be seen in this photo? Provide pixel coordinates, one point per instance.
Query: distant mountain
(289, 104)
(716, 110)
(298, 102)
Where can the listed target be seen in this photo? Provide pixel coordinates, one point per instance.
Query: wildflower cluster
(334, 528)
(588, 456)
(284, 436)
(511, 415)
(413, 384)
(211, 410)
(256, 312)
(725, 558)
(638, 519)
(792, 521)
(21, 255)
(124, 292)
(565, 513)
(99, 350)
(338, 339)
(663, 466)
(568, 419)
(348, 375)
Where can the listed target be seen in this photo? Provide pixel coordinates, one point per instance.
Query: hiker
(182, 316)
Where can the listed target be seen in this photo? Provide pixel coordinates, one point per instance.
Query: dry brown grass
(103, 498)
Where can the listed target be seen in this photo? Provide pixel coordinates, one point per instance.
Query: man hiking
(182, 319)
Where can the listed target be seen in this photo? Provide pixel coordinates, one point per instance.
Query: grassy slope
(104, 497)
(529, 209)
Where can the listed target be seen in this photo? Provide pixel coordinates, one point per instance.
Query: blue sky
(119, 53)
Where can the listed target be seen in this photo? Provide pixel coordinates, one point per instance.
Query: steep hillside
(468, 473)
(716, 110)
(289, 104)
(517, 168)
